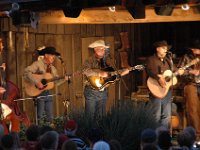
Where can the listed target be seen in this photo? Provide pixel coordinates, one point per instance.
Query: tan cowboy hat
(97, 44)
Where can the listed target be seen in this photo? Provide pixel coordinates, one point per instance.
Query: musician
(42, 66)
(192, 85)
(95, 100)
(156, 65)
(3, 65)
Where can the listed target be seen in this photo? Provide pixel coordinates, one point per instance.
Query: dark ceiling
(41, 5)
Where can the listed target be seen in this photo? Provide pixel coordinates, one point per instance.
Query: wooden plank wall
(68, 41)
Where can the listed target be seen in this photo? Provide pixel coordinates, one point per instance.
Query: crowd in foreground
(46, 138)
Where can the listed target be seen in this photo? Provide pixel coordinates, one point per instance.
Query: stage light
(72, 12)
(185, 7)
(112, 9)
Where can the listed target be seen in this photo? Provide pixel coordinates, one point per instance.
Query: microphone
(60, 58)
(169, 54)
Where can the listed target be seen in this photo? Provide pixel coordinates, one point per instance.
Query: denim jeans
(162, 108)
(95, 101)
(45, 106)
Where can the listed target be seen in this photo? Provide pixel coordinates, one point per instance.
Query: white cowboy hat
(97, 44)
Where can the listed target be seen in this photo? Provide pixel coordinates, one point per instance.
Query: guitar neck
(120, 71)
(188, 65)
(56, 78)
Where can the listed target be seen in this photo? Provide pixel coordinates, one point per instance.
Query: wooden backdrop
(72, 40)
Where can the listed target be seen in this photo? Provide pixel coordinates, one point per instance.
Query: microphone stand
(172, 88)
(35, 100)
(66, 101)
(119, 78)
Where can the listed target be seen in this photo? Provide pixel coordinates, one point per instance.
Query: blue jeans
(95, 102)
(45, 106)
(162, 109)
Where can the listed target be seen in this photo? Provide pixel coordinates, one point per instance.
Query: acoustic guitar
(170, 78)
(99, 83)
(46, 79)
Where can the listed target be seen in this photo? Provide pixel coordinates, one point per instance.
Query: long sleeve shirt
(91, 65)
(155, 66)
(38, 67)
(186, 59)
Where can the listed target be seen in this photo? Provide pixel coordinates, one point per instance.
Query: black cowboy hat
(49, 50)
(161, 43)
(195, 44)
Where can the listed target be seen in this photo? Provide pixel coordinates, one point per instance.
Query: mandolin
(99, 83)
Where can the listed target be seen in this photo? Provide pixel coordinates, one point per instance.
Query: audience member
(101, 145)
(192, 132)
(44, 129)
(7, 142)
(70, 130)
(32, 137)
(164, 140)
(185, 139)
(16, 140)
(150, 146)
(49, 140)
(69, 145)
(62, 138)
(148, 136)
(115, 145)
(93, 136)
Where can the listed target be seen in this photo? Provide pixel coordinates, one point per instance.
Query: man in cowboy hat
(156, 66)
(95, 100)
(42, 66)
(191, 80)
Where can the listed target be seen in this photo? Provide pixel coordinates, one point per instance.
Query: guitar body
(32, 90)
(155, 87)
(98, 83)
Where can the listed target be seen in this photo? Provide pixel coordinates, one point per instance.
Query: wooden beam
(104, 16)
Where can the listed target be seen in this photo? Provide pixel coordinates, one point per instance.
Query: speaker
(72, 12)
(165, 10)
(20, 18)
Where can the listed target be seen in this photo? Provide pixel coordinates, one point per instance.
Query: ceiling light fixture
(112, 8)
(185, 7)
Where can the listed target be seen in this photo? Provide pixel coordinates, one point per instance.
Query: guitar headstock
(139, 67)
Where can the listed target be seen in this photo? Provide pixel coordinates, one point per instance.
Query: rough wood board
(100, 16)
